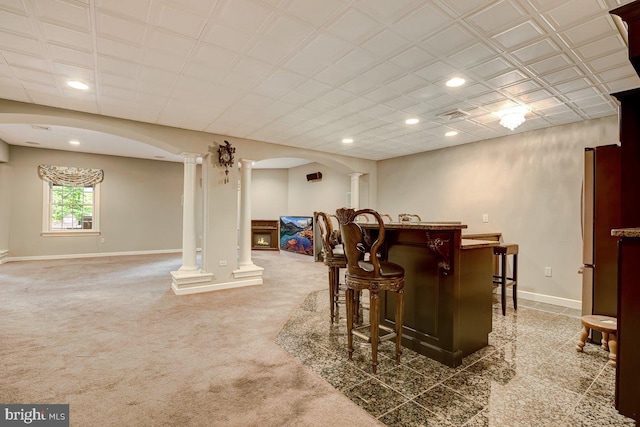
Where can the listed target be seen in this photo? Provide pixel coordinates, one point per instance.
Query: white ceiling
(308, 73)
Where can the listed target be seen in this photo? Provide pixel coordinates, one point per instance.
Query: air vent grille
(453, 115)
(40, 127)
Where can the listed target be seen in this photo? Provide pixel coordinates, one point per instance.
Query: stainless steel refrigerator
(600, 213)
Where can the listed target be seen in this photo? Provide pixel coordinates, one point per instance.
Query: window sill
(70, 233)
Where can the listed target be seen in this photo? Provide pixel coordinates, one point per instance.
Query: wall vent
(40, 127)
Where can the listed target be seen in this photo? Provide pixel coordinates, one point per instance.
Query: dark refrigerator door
(606, 210)
(588, 193)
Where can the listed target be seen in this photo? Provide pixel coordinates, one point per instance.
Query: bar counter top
(476, 244)
(626, 232)
(416, 225)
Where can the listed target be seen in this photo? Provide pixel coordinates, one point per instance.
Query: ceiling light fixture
(511, 118)
(347, 140)
(412, 121)
(451, 133)
(455, 82)
(74, 142)
(78, 85)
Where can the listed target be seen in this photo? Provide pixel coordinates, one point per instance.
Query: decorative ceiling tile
(314, 11)
(66, 36)
(138, 9)
(72, 14)
(590, 30)
(226, 37)
(536, 51)
(385, 43)
(354, 25)
(497, 16)
(573, 11)
(521, 33)
(449, 40)
(179, 20)
(422, 22)
(118, 28)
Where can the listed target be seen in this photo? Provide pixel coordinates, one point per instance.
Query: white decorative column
(189, 214)
(189, 273)
(246, 267)
(355, 190)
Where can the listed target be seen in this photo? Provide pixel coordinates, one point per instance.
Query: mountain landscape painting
(296, 234)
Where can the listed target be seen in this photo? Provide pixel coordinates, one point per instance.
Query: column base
(190, 279)
(249, 271)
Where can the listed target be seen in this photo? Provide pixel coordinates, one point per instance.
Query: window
(71, 201)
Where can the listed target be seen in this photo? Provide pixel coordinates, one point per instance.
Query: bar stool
(334, 257)
(502, 279)
(373, 274)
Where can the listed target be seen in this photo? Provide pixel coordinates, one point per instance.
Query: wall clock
(225, 158)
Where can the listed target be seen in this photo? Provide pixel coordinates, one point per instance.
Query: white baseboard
(548, 299)
(89, 255)
(4, 256)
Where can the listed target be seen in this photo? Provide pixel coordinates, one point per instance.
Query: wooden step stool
(609, 328)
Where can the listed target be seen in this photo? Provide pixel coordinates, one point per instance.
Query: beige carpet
(108, 337)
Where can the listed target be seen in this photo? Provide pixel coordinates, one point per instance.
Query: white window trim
(46, 215)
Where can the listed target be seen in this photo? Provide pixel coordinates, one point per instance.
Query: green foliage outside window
(71, 207)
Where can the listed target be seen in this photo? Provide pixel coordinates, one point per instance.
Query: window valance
(70, 176)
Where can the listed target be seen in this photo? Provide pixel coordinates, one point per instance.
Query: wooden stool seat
(609, 328)
(502, 279)
(373, 274)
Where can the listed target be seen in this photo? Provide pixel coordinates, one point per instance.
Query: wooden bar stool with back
(334, 257)
(372, 274)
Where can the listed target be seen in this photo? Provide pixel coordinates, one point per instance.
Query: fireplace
(264, 235)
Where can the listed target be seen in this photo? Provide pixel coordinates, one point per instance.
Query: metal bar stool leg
(515, 281)
(503, 282)
(374, 319)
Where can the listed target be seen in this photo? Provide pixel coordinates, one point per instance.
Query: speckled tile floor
(529, 375)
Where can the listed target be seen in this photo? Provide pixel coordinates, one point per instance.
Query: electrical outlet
(485, 217)
(222, 263)
(547, 271)
(102, 240)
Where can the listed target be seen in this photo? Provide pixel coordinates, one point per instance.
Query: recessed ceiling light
(451, 133)
(78, 85)
(412, 121)
(74, 142)
(347, 140)
(455, 82)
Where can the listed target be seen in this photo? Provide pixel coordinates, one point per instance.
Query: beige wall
(529, 184)
(326, 195)
(140, 204)
(277, 192)
(269, 193)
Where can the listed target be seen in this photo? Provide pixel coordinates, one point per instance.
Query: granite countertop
(626, 232)
(416, 225)
(476, 243)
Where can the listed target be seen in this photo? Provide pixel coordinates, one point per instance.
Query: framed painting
(296, 234)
